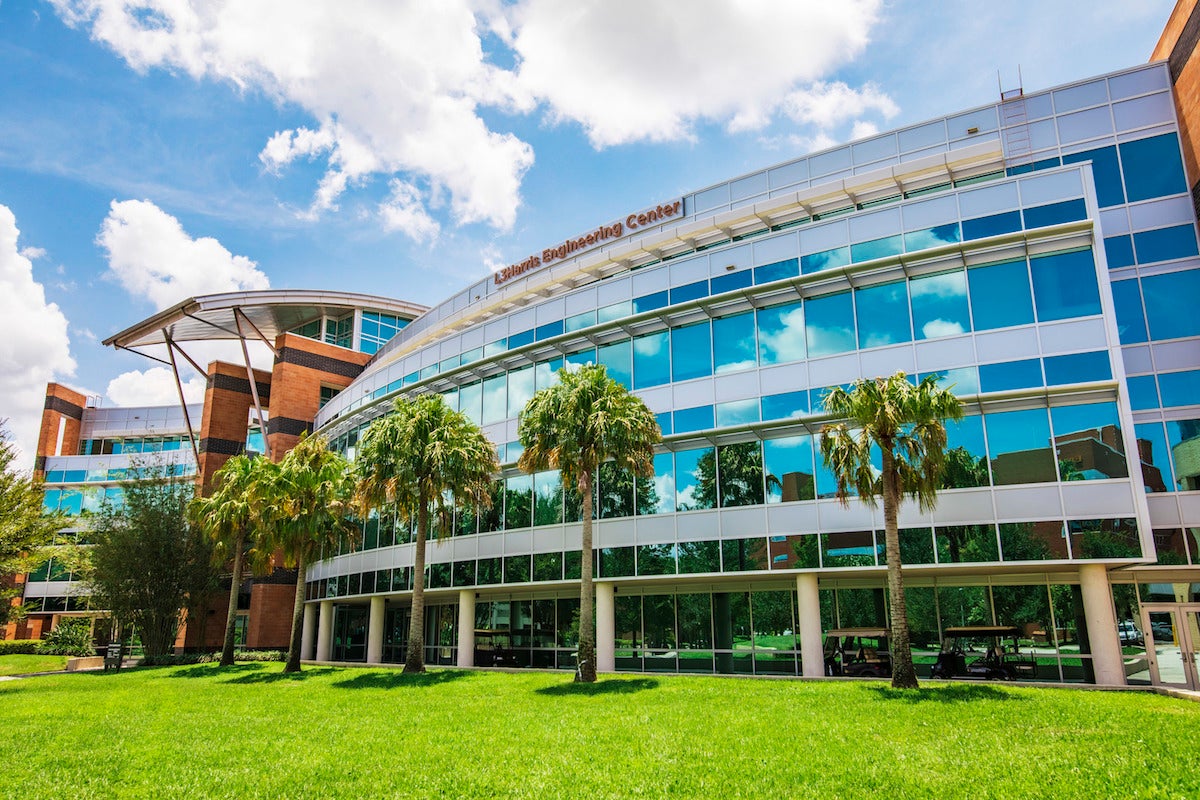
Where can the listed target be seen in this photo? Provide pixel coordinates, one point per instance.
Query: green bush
(22, 647)
(71, 637)
(172, 660)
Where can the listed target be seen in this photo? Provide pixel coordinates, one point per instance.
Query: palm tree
(306, 505)
(585, 419)
(906, 423)
(228, 517)
(423, 457)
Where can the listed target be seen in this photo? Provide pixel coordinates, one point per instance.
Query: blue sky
(153, 150)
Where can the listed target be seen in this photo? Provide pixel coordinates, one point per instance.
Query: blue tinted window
(877, 248)
(1155, 457)
(1064, 285)
(1171, 304)
(1054, 213)
(737, 412)
(777, 271)
(496, 347)
(732, 280)
(785, 406)
(939, 305)
(1119, 251)
(1143, 393)
(520, 389)
(788, 463)
(664, 422)
(699, 418)
(582, 358)
(548, 330)
(1131, 321)
(826, 259)
(651, 360)
(882, 314)
(618, 359)
(1152, 167)
(1165, 244)
(966, 454)
(651, 302)
(829, 324)
(1010, 375)
(993, 225)
(961, 381)
(1000, 295)
(1183, 436)
(1020, 446)
(691, 351)
(681, 294)
(580, 321)
(1045, 163)
(616, 311)
(695, 481)
(1180, 388)
(932, 237)
(516, 340)
(733, 343)
(781, 333)
(1078, 368)
(1088, 442)
(1105, 171)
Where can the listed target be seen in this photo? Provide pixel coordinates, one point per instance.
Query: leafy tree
(905, 422)
(147, 562)
(304, 505)
(24, 526)
(228, 516)
(424, 458)
(586, 419)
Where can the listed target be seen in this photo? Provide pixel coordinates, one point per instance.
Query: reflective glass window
(785, 406)
(651, 360)
(616, 562)
(777, 271)
(691, 351)
(463, 574)
(520, 339)
(698, 557)
(547, 498)
(1106, 173)
(744, 555)
(732, 280)
(737, 412)
(1180, 388)
(690, 291)
(883, 314)
(740, 474)
(826, 480)
(547, 567)
(1170, 302)
(916, 547)
(734, 345)
(614, 311)
(1104, 538)
(1010, 375)
(1088, 442)
(663, 418)
(1154, 456)
(1033, 541)
(518, 502)
(1143, 392)
(698, 418)
(1078, 368)
(848, 549)
(1000, 295)
(656, 495)
(957, 544)
(495, 399)
(932, 237)
(1165, 244)
(877, 248)
(1152, 167)
(615, 491)
(695, 479)
(1054, 213)
(579, 321)
(826, 259)
(546, 373)
(656, 559)
(1131, 320)
(618, 359)
(788, 465)
(991, 225)
(780, 333)
(491, 517)
(829, 324)
(517, 569)
(1118, 251)
(1064, 285)
(1019, 442)
(651, 302)
(520, 389)
(548, 330)
(582, 358)
(939, 305)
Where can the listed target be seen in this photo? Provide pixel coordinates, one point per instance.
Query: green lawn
(248, 731)
(25, 664)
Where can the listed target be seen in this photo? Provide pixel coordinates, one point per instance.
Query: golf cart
(990, 652)
(858, 653)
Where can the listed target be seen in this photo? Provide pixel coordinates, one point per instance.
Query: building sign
(581, 244)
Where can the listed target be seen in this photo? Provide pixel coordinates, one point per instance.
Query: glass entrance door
(1172, 632)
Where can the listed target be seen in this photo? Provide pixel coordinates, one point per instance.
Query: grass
(27, 664)
(249, 731)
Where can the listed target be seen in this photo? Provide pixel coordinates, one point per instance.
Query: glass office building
(1039, 255)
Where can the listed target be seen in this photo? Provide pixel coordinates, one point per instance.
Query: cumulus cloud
(829, 104)
(33, 253)
(403, 211)
(153, 387)
(153, 257)
(37, 350)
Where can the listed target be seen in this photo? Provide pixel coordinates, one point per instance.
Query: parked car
(858, 653)
(1129, 633)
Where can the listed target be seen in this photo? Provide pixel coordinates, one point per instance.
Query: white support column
(606, 627)
(466, 628)
(808, 609)
(375, 631)
(308, 632)
(325, 630)
(1107, 661)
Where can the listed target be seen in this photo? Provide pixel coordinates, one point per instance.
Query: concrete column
(1107, 660)
(466, 628)
(309, 632)
(606, 627)
(325, 630)
(808, 611)
(375, 631)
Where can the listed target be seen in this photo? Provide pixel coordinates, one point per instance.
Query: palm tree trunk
(587, 590)
(904, 674)
(239, 544)
(414, 662)
(293, 662)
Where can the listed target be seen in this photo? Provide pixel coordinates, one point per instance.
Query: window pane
(691, 351)
(737, 412)
(1000, 295)
(785, 406)
(1055, 213)
(939, 305)
(687, 420)
(1105, 171)
(1153, 454)
(1019, 442)
(616, 562)
(1165, 244)
(789, 469)
(1033, 541)
(547, 566)
(1088, 442)
(993, 225)
(876, 248)
(780, 333)
(695, 479)
(732, 280)
(548, 498)
(916, 546)
(1131, 320)
(546, 373)
(1064, 285)
(741, 474)
(615, 491)
(1010, 375)
(777, 271)
(848, 549)
(932, 237)
(743, 555)
(656, 559)
(829, 324)
(518, 502)
(651, 302)
(618, 359)
(1184, 438)
(691, 291)
(470, 402)
(1118, 251)
(1152, 167)
(1180, 388)
(1078, 368)
(882, 315)
(1104, 538)
(1171, 304)
(1143, 392)
(958, 544)
(495, 399)
(733, 342)
(826, 259)
(651, 360)
(699, 557)
(657, 495)
(520, 390)
(580, 321)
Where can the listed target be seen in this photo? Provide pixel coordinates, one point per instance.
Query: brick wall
(301, 368)
(270, 625)
(63, 408)
(1177, 46)
(227, 404)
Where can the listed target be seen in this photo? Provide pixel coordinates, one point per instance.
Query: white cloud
(153, 257)
(153, 387)
(936, 328)
(37, 350)
(829, 104)
(33, 253)
(403, 211)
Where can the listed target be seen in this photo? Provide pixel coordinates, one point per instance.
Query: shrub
(172, 659)
(71, 637)
(24, 647)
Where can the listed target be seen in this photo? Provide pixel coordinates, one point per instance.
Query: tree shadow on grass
(611, 686)
(214, 670)
(282, 677)
(946, 694)
(395, 679)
